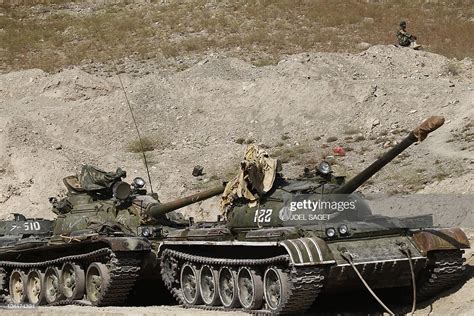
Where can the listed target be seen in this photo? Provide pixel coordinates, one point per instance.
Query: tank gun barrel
(418, 134)
(158, 209)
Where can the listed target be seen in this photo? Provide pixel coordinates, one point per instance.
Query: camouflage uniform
(404, 38)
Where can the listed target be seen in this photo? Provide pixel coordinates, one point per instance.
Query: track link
(304, 283)
(445, 269)
(124, 270)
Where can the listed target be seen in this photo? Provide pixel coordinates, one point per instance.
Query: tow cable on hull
(405, 250)
(348, 256)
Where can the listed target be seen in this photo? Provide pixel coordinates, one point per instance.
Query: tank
(111, 242)
(97, 250)
(281, 242)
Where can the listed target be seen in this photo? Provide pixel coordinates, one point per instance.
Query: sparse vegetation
(352, 131)
(453, 68)
(295, 153)
(134, 146)
(51, 36)
(240, 140)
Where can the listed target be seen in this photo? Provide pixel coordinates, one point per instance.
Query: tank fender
(308, 251)
(128, 243)
(440, 239)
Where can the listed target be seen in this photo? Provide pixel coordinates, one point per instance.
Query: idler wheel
(189, 279)
(72, 281)
(208, 280)
(250, 288)
(17, 287)
(35, 289)
(52, 291)
(97, 282)
(228, 287)
(275, 288)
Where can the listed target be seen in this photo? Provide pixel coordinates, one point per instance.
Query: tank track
(445, 269)
(305, 283)
(3, 284)
(123, 275)
(123, 268)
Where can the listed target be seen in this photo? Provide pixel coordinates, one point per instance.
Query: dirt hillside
(299, 109)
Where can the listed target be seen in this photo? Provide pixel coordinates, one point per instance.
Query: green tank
(111, 242)
(278, 248)
(99, 250)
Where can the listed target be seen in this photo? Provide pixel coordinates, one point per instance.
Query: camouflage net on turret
(256, 176)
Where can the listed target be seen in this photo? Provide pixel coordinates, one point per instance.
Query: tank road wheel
(52, 290)
(208, 280)
(17, 287)
(250, 288)
(72, 281)
(275, 283)
(190, 284)
(228, 287)
(97, 282)
(35, 289)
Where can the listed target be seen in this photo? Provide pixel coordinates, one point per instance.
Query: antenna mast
(128, 104)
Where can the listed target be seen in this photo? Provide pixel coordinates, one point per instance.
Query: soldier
(405, 39)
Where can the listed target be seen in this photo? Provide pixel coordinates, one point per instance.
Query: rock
(363, 46)
(373, 122)
(368, 20)
(198, 171)
(330, 159)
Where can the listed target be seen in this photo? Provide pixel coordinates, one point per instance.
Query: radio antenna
(142, 150)
(135, 123)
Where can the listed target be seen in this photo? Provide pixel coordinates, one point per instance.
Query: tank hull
(310, 265)
(66, 265)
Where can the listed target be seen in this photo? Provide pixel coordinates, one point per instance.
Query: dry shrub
(147, 144)
(258, 31)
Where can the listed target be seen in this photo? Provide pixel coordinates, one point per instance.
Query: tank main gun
(156, 210)
(418, 134)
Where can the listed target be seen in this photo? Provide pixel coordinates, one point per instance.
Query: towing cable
(348, 256)
(403, 248)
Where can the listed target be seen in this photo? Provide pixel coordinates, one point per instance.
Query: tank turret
(282, 203)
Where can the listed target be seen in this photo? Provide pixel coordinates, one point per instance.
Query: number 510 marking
(263, 215)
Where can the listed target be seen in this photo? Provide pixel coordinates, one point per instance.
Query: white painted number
(31, 226)
(263, 215)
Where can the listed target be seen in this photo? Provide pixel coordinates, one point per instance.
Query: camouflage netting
(93, 179)
(256, 177)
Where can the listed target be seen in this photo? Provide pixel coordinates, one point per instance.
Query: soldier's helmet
(403, 23)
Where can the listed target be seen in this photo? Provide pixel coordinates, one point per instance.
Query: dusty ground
(300, 109)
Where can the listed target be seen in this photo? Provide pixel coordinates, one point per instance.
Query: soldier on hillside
(405, 39)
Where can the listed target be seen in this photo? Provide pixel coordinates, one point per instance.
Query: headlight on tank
(324, 168)
(343, 229)
(145, 231)
(330, 232)
(138, 182)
